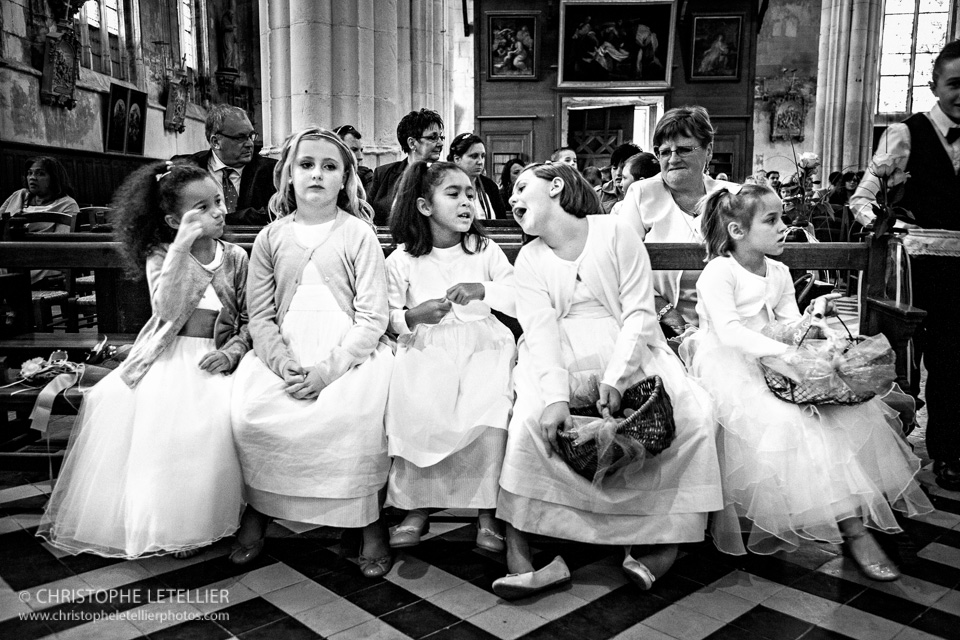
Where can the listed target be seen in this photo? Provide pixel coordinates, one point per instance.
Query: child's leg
(375, 559)
(251, 536)
(657, 558)
(871, 559)
(519, 558)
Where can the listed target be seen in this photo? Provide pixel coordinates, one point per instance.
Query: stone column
(359, 62)
(847, 82)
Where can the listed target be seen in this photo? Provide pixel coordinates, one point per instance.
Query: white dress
(324, 460)
(451, 392)
(153, 469)
(790, 471)
(669, 498)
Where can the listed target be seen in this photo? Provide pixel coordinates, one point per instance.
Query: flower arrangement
(892, 179)
(41, 370)
(801, 201)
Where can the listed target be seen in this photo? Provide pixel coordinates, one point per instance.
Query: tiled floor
(301, 588)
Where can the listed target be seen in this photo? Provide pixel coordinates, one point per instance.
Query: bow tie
(953, 134)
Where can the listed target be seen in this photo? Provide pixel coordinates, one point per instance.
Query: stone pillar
(359, 62)
(847, 82)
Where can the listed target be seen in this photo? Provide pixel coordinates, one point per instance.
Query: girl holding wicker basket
(791, 472)
(585, 302)
(451, 393)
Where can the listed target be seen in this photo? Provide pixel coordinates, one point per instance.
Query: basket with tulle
(846, 373)
(644, 426)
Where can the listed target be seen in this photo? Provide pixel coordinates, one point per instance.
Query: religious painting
(716, 48)
(513, 40)
(136, 121)
(176, 110)
(608, 44)
(61, 68)
(116, 135)
(787, 115)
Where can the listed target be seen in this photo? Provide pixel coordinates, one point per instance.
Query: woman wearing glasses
(664, 208)
(469, 153)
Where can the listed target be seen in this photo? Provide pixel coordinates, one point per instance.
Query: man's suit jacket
(256, 187)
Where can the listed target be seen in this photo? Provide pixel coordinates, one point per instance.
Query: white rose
(32, 367)
(898, 177)
(883, 165)
(808, 161)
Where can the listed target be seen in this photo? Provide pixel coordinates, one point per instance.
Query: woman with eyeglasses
(664, 208)
(469, 153)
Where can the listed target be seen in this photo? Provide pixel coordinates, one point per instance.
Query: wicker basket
(805, 392)
(651, 425)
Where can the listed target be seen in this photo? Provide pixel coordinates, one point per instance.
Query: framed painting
(716, 46)
(513, 43)
(136, 121)
(116, 134)
(614, 44)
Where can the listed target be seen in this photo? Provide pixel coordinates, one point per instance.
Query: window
(104, 50)
(914, 31)
(188, 40)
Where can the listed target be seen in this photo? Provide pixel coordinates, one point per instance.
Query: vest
(932, 194)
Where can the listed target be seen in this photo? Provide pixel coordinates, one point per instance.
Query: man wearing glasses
(420, 134)
(245, 178)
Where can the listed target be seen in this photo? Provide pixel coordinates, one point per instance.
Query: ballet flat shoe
(521, 585)
(183, 554)
(245, 555)
(490, 540)
(882, 571)
(407, 536)
(375, 567)
(638, 573)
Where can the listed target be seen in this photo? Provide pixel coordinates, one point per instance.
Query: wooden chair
(94, 220)
(18, 227)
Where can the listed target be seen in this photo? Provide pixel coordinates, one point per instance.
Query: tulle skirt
(321, 461)
(665, 501)
(153, 469)
(451, 381)
(792, 471)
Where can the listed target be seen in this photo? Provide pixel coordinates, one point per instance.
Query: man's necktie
(953, 133)
(229, 191)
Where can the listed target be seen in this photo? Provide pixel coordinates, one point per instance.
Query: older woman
(664, 207)
(469, 153)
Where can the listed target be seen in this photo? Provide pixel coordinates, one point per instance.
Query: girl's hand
(823, 306)
(190, 229)
(553, 417)
(215, 362)
(310, 388)
(609, 398)
(429, 312)
(465, 292)
(292, 373)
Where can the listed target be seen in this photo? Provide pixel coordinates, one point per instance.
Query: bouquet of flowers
(41, 370)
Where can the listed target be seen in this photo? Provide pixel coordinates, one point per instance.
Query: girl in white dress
(791, 473)
(450, 395)
(309, 400)
(585, 302)
(151, 467)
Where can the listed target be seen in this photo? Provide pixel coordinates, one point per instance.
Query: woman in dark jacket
(468, 152)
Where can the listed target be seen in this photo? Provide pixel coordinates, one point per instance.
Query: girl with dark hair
(46, 187)
(585, 302)
(508, 175)
(308, 410)
(450, 394)
(468, 152)
(790, 473)
(151, 466)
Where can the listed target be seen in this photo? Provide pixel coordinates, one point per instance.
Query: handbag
(649, 430)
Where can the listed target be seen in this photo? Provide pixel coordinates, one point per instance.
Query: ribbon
(40, 416)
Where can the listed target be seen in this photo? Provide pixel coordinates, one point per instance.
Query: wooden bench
(123, 305)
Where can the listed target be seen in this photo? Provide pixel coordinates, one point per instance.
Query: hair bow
(161, 176)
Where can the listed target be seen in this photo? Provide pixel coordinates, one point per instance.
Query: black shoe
(947, 474)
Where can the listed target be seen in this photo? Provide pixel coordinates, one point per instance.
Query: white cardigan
(615, 267)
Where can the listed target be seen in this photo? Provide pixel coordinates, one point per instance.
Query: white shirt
(215, 166)
(896, 142)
